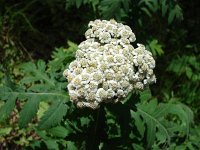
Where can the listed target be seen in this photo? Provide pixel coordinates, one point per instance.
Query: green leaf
(27, 80)
(33, 96)
(6, 93)
(28, 111)
(151, 132)
(7, 108)
(5, 131)
(84, 121)
(110, 9)
(145, 95)
(162, 109)
(151, 5)
(144, 9)
(78, 3)
(53, 115)
(72, 46)
(59, 131)
(71, 145)
(138, 122)
(36, 73)
(188, 72)
(51, 144)
(152, 122)
(125, 5)
(171, 16)
(155, 47)
(50, 94)
(184, 114)
(62, 56)
(137, 147)
(164, 7)
(176, 13)
(156, 119)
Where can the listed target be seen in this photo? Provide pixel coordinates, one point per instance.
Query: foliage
(156, 124)
(35, 109)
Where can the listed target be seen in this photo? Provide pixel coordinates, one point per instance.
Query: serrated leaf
(137, 147)
(7, 108)
(151, 132)
(110, 9)
(51, 95)
(151, 122)
(188, 72)
(151, 5)
(61, 56)
(51, 144)
(28, 111)
(5, 131)
(53, 115)
(162, 110)
(84, 121)
(155, 47)
(125, 5)
(164, 7)
(171, 16)
(36, 72)
(71, 145)
(145, 95)
(184, 115)
(72, 46)
(175, 13)
(144, 9)
(138, 122)
(78, 3)
(27, 80)
(59, 131)
(6, 93)
(161, 136)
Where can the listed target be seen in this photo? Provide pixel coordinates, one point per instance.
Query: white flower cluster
(107, 66)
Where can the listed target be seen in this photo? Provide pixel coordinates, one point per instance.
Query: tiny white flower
(85, 78)
(110, 93)
(89, 33)
(101, 93)
(120, 92)
(113, 85)
(73, 96)
(65, 73)
(104, 37)
(78, 71)
(93, 85)
(132, 37)
(76, 82)
(97, 76)
(105, 85)
(139, 86)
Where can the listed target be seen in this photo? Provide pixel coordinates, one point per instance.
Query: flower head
(107, 66)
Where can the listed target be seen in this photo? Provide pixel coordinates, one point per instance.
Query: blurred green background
(38, 39)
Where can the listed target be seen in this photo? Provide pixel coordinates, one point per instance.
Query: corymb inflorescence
(107, 67)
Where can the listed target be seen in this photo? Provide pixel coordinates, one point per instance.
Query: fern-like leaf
(154, 117)
(7, 108)
(40, 83)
